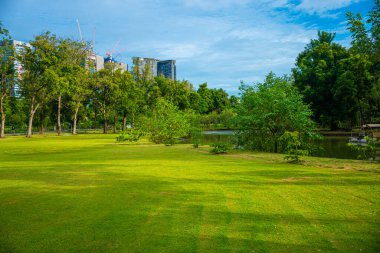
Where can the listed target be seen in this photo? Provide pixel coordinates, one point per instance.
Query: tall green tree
(7, 73)
(361, 43)
(70, 55)
(78, 92)
(365, 51)
(205, 100)
(105, 92)
(316, 74)
(37, 74)
(351, 90)
(129, 97)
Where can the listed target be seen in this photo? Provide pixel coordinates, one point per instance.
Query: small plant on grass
(292, 146)
(131, 135)
(220, 148)
(195, 134)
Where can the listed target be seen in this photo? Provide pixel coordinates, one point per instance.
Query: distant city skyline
(220, 42)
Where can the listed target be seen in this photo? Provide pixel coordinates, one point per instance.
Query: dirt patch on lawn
(295, 179)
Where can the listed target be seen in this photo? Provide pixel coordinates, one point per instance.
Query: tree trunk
(95, 125)
(75, 120)
(105, 121)
(31, 115)
(59, 128)
(2, 126)
(114, 123)
(124, 121)
(275, 146)
(42, 129)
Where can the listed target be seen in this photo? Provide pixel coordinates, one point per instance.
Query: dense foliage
(343, 85)
(60, 89)
(268, 110)
(6, 74)
(166, 124)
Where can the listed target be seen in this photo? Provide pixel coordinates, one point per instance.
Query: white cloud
(322, 6)
(214, 4)
(180, 50)
(216, 41)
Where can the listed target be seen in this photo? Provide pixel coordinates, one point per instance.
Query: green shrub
(195, 130)
(131, 135)
(292, 147)
(166, 124)
(220, 148)
(368, 150)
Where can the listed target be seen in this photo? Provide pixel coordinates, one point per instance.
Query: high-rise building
(18, 47)
(167, 68)
(142, 64)
(118, 65)
(99, 62)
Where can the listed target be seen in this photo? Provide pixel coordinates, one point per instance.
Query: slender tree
(105, 92)
(70, 55)
(7, 73)
(79, 90)
(129, 96)
(36, 62)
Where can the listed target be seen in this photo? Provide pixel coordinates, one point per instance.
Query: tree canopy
(267, 110)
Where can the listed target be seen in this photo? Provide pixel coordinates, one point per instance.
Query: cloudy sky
(216, 41)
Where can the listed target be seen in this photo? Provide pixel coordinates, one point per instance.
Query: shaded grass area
(88, 194)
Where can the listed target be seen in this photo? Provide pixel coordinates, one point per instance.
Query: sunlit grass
(89, 194)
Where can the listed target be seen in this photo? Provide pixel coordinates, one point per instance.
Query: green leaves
(292, 146)
(267, 111)
(367, 150)
(166, 123)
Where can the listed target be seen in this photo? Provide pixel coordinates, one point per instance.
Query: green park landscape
(99, 157)
(89, 193)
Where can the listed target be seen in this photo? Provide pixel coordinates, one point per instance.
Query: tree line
(342, 85)
(58, 84)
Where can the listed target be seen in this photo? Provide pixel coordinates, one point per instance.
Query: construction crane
(112, 51)
(91, 52)
(80, 32)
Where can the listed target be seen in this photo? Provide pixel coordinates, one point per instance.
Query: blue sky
(216, 41)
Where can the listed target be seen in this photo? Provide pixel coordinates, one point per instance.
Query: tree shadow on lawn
(268, 181)
(301, 177)
(142, 209)
(240, 230)
(59, 178)
(163, 242)
(93, 173)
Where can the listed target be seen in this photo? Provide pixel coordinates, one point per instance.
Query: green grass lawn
(89, 194)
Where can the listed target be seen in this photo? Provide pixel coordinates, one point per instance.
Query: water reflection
(331, 146)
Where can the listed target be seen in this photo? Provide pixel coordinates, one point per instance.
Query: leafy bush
(292, 147)
(220, 148)
(368, 150)
(195, 133)
(167, 123)
(131, 135)
(269, 109)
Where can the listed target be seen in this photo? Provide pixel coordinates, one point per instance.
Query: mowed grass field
(90, 194)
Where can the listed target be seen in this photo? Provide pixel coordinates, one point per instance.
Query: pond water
(332, 146)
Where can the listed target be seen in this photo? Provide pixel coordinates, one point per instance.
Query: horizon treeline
(59, 89)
